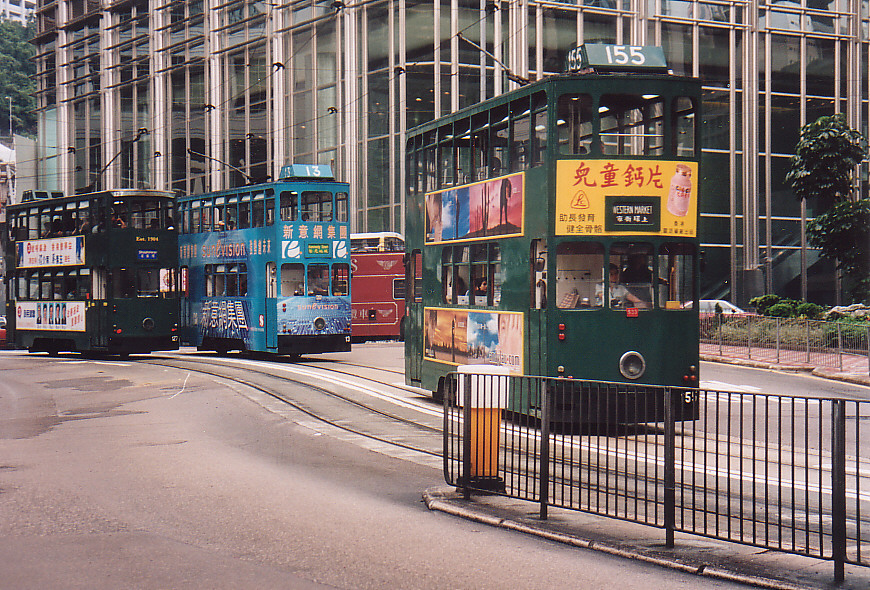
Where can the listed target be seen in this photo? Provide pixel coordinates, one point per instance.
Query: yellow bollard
(486, 398)
(485, 424)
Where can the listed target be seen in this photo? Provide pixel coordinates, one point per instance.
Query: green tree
(825, 157)
(17, 71)
(821, 172)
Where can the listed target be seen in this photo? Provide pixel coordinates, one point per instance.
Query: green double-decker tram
(556, 230)
(93, 272)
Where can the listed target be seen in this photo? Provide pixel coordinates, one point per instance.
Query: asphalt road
(123, 475)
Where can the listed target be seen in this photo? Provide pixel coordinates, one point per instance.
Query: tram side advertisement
(465, 337)
(50, 315)
(485, 209)
(51, 252)
(626, 197)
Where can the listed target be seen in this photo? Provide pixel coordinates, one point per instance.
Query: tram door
(99, 331)
(536, 339)
(271, 307)
(414, 329)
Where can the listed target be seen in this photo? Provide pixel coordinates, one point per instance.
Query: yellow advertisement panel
(626, 197)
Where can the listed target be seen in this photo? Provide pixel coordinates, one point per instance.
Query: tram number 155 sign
(603, 57)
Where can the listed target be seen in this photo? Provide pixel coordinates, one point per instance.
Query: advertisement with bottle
(626, 197)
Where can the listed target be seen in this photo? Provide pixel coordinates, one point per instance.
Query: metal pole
(670, 491)
(9, 98)
(544, 468)
(838, 488)
(807, 334)
(840, 344)
(777, 338)
(466, 436)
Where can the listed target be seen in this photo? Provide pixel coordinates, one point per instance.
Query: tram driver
(620, 296)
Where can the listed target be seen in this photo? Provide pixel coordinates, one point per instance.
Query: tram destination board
(636, 214)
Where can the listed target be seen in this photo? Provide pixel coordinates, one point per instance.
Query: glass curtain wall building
(202, 95)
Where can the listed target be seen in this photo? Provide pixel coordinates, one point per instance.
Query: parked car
(2, 330)
(708, 306)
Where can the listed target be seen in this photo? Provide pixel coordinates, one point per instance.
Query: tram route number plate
(634, 214)
(603, 57)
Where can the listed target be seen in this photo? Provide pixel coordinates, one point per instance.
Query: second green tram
(94, 273)
(556, 230)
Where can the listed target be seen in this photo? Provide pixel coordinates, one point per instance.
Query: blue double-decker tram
(266, 268)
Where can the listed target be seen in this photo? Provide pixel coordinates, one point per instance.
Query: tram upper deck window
(631, 124)
(574, 123)
(539, 125)
(316, 206)
(145, 213)
(289, 205)
(579, 275)
(521, 136)
(245, 211)
(499, 141)
(462, 149)
(684, 126)
(341, 207)
(446, 157)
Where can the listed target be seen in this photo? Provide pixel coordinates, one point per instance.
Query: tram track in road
(325, 400)
(350, 404)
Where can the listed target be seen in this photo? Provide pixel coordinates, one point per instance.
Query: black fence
(781, 472)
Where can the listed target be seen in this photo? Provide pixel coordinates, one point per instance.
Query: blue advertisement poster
(300, 315)
(225, 318)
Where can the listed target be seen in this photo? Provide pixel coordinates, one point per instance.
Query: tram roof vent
(28, 196)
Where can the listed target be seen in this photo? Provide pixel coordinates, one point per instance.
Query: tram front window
(579, 268)
(634, 279)
(292, 280)
(318, 279)
(148, 282)
(676, 286)
(340, 279)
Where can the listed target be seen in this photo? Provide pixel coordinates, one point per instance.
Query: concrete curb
(439, 499)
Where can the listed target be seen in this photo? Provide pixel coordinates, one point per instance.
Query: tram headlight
(319, 323)
(148, 324)
(632, 365)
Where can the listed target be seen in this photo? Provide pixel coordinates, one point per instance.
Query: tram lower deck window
(579, 275)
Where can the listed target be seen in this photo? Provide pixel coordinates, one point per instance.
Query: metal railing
(835, 345)
(781, 472)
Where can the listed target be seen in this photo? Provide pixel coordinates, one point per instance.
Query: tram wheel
(438, 394)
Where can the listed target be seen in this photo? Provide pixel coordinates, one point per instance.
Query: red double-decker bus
(378, 286)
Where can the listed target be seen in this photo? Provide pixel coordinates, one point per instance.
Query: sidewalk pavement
(692, 554)
(851, 368)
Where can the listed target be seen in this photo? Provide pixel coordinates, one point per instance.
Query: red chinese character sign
(626, 197)
(483, 209)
